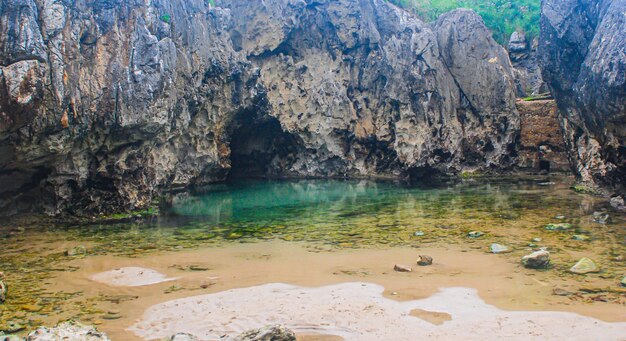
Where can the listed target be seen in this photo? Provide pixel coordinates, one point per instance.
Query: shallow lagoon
(326, 217)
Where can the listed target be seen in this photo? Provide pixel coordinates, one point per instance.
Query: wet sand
(499, 280)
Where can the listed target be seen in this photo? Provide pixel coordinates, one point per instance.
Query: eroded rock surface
(523, 54)
(104, 104)
(583, 56)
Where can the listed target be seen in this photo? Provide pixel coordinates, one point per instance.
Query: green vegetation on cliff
(503, 17)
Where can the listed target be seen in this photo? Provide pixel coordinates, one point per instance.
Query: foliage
(502, 17)
(166, 18)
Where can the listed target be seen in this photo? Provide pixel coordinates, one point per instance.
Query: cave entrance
(259, 148)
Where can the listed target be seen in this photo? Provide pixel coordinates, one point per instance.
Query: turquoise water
(322, 213)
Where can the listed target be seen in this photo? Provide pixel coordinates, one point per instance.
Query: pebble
(497, 248)
(584, 266)
(601, 217)
(580, 237)
(76, 251)
(402, 268)
(424, 260)
(560, 217)
(561, 292)
(475, 234)
(558, 227)
(536, 240)
(419, 233)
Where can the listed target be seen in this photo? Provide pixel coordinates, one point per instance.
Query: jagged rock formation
(541, 144)
(106, 103)
(583, 55)
(523, 54)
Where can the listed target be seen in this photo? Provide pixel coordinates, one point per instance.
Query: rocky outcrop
(583, 56)
(69, 331)
(523, 54)
(541, 144)
(104, 104)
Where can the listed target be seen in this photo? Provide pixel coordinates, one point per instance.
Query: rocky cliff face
(523, 54)
(106, 103)
(583, 56)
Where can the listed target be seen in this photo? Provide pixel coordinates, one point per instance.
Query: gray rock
(402, 268)
(4, 337)
(268, 333)
(181, 337)
(475, 234)
(623, 283)
(537, 260)
(346, 88)
(67, 331)
(583, 61)
(584, 266)
(424, 260)
(497, 248)
(601, 217)
(528, 80)
(617, 202)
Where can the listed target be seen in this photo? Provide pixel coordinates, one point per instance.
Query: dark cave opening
(544, 165)
(259, 147)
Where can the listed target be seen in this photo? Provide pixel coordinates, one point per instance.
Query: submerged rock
(537, 260)
(497, 248)
(475, 234)
(419, 234)
(558, 227)
(580, 237)
(67, 331)
(584, 266)
(402, 268)
(601, 217)
(424, 260)
(268, 333)
(79, 250)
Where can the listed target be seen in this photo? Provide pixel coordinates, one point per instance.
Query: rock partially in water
(498, 248)
(424, 260)
(584, 266)
(267, 333)
(618, 203)
(181, 337)
(475, 234)
(79, 250)
(67, 331)
(601, 217)
(402, 268)
(537, 260)
(559, 227)
(4, 288)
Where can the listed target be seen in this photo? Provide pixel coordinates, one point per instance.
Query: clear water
(336, 214)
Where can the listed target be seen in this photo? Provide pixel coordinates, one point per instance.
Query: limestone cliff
(104, 104)
(583, 55)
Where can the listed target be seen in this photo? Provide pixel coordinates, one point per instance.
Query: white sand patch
(131, 277)
(358, 311)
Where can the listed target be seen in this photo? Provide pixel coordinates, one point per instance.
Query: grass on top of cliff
(502, 17)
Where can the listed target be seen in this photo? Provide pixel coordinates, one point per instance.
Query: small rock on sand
(402, 268)
(497, 248)
(537, 260)
(424, 260)
(584, 266)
